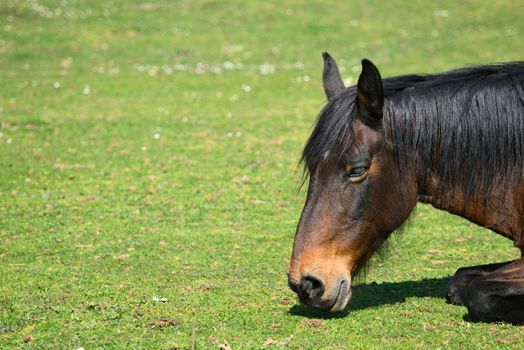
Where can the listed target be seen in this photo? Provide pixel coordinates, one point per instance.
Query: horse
(454, 140)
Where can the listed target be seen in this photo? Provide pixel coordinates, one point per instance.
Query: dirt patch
(163, 323)
(28, 338)
(313, 323)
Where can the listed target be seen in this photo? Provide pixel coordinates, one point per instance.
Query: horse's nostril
(311, 287)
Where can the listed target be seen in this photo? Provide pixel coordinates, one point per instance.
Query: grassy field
(149, 180)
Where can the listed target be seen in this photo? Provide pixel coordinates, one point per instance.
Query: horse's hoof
(454, 298)
(453, 292)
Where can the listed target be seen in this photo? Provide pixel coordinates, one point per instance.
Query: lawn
(149, 185)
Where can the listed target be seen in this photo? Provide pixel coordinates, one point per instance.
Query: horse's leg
(458, 283)
(498, 295)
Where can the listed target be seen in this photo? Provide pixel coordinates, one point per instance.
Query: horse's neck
(471, 163)
(496, 210)
(449, 199)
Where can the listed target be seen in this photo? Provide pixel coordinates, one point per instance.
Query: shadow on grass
(373, 295)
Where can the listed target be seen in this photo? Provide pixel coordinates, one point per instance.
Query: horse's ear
(370, 95)
(331, 77)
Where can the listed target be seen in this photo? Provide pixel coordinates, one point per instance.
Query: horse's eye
(357, 174)
(358, 171)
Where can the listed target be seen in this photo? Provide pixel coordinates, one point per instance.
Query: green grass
(98, 215)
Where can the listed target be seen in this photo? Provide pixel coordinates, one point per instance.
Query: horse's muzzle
(312, 291)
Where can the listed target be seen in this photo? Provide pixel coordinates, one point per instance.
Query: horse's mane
(466, 125)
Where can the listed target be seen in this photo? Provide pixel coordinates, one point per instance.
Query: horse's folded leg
(457, 284)
(485, 307)
(497, 296)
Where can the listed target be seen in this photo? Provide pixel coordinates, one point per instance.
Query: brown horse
(454, 140)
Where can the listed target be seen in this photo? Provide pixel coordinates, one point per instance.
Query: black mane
(467, 125)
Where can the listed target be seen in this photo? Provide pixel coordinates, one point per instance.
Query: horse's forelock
(332, 134)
